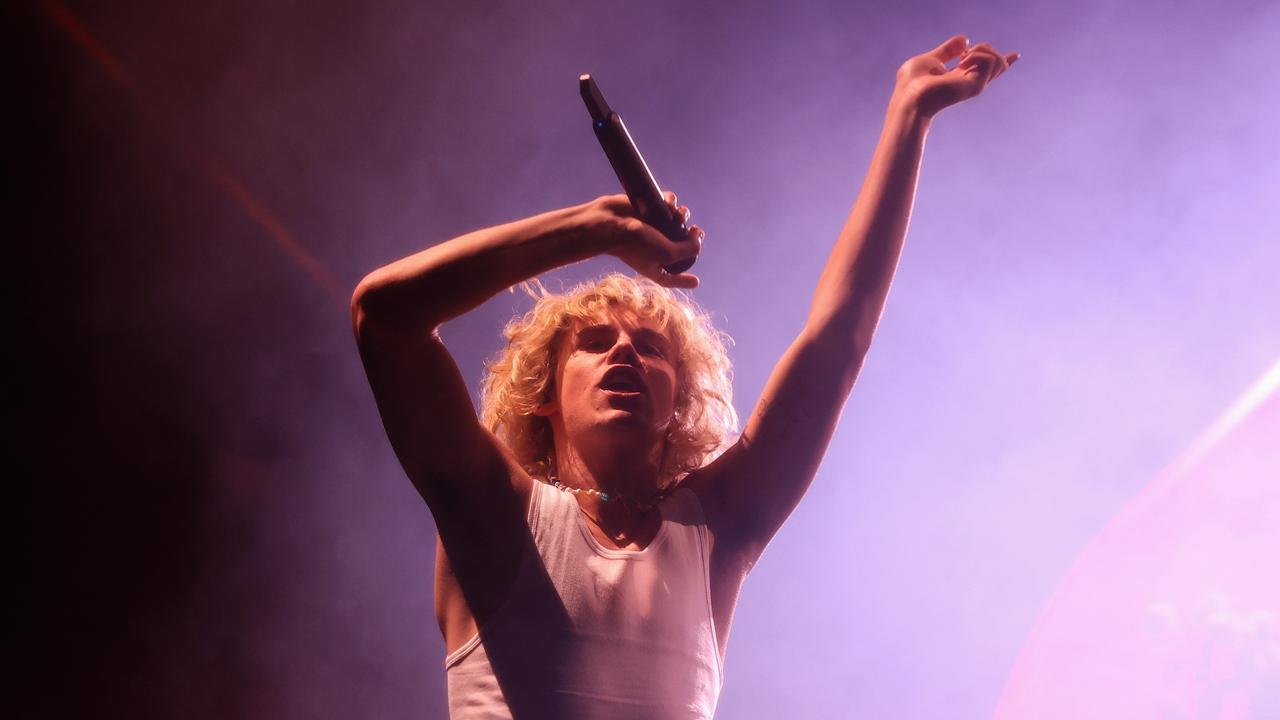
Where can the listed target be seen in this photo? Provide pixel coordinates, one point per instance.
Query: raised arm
(751, 489)
(476, 489)
(397, 310)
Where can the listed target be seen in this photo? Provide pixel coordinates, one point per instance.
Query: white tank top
(590, 632)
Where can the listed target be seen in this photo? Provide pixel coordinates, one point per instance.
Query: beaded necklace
(605, 496)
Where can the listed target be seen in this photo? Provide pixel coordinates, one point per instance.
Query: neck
(617, 491)
(624, 465)
(628, 473)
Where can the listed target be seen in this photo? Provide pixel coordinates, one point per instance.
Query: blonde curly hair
(520, 378)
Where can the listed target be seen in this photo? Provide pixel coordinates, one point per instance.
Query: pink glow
(1172, 610)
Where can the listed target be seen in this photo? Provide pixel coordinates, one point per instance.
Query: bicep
(426, 410)
(474, 486)
(422, 399)
(751, 489)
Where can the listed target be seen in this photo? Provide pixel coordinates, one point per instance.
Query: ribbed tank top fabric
(593, 633)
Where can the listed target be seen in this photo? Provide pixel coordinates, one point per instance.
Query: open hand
(642, 246)
(927, 81)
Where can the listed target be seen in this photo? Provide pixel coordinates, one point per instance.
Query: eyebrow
(653, 335)
(642, 333)
(589, 329)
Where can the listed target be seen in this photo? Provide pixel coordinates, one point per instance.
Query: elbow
(837, 354)
(362, 299)
(860, 342)
(415, 294)
(377, 306)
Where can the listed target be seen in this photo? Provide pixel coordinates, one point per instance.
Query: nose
(624, 347)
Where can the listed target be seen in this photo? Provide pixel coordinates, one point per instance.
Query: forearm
(424, 290)
(855, 282)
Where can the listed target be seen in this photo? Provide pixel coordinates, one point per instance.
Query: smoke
(219, 526)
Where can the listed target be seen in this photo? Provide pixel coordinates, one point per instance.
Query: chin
(623, 424)
(634, 423)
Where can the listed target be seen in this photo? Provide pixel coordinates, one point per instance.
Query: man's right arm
(477, 492)
(397, 310)
(454, 462)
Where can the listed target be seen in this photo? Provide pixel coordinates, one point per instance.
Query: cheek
(574, 378)
(673, 383)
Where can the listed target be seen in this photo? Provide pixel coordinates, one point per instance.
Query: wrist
(906, 112)
(592, 227)
(575, 230)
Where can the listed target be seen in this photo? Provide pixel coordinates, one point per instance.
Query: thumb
(950, 49)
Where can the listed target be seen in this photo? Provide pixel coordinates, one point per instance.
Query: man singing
(594, 530)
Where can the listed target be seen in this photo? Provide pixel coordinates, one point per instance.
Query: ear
(547, 409)
(550, 406)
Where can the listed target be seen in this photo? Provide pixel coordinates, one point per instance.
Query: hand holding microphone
(637, 181)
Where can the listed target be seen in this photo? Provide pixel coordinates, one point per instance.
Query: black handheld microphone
(631, 169)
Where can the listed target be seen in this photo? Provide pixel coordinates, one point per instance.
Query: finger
(688, 248)
(951, 49)
(671, 198)
(1001, 65)
(684, 214)
(667, 251)
(985, 61)
(980, 50)
(1005, 64)
(1003, 61)
(976, 63)
(995, 64)
(685, 281)
(695, 236)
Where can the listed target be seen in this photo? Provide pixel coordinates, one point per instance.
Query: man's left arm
(748, 492)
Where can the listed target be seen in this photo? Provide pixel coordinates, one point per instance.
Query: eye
(594, 341)
(652, 343)
(653, 349)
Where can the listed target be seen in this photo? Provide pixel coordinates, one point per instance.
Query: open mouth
(622, 381)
